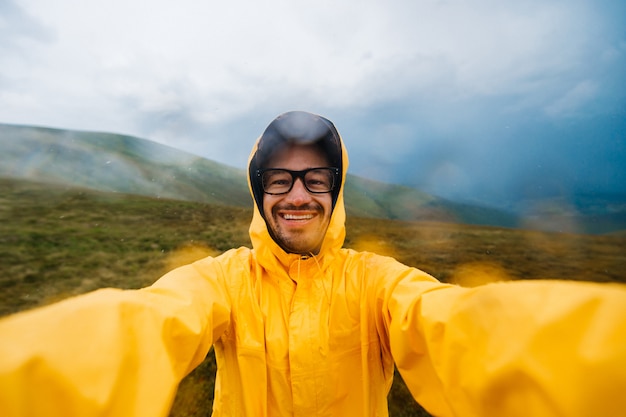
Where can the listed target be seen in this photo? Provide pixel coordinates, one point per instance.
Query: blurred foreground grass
(56, 243)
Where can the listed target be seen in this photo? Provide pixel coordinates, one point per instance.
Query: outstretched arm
(111, 352)
(536, 348)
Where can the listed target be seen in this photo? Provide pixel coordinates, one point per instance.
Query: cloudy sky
(478, 100)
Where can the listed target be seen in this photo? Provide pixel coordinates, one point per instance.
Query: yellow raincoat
(319, 336)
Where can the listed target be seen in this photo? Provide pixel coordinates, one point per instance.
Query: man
(303, 327)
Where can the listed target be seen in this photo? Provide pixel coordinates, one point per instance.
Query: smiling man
(304, 327)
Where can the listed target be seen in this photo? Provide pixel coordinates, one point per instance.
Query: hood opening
(299, 128)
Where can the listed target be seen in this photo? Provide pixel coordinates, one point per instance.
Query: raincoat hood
(301, 128)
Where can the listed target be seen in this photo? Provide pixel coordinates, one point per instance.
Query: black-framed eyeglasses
(316, 180)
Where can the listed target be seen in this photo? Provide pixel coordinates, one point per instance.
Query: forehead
(298, 157)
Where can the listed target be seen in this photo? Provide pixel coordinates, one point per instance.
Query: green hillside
(109, 162)
(130, 165)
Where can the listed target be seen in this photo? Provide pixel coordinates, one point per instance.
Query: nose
(298, 195)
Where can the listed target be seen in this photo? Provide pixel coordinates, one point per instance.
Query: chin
(301, 249)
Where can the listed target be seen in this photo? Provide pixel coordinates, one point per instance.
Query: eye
(276, 180)
(279, 180)
(319, 179)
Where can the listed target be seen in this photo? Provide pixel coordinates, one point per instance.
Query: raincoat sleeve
(111, 352)
(520, 348)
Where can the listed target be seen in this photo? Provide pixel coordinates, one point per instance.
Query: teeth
(298, 216)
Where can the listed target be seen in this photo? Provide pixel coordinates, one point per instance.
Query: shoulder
(376, 269)
(369, 259)
(227, 262)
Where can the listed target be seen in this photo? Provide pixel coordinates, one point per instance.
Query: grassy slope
(111, 162)
(126, 164)
(58, 242)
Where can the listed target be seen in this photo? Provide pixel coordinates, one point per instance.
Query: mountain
(131, 165)
(110, 162)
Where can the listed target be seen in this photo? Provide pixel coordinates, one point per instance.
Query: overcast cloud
(477, 99)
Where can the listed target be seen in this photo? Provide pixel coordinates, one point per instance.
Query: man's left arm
(539, 348)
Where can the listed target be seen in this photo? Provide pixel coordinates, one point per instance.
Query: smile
(288, 216)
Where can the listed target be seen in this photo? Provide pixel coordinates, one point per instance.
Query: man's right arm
(112, 352)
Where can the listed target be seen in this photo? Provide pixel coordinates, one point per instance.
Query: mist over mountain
(118, 163)
(125, 164)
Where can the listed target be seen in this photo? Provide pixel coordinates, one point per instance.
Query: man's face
(298, 219)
